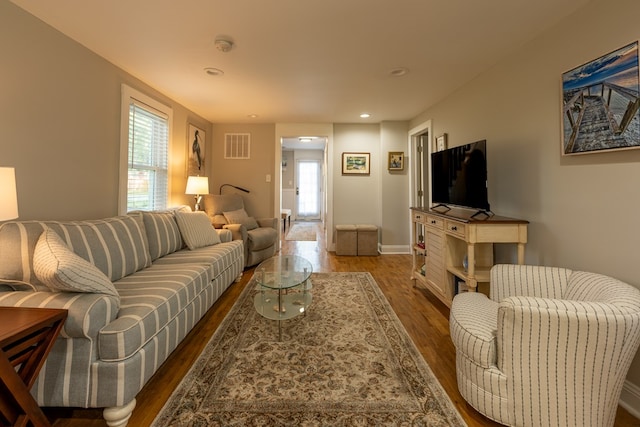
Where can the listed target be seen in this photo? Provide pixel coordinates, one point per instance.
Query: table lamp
(8, 194)
(197, 185)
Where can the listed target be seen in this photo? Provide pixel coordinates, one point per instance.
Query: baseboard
(394, 249)
(630, 398)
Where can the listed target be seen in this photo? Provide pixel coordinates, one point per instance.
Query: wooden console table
(443, 241)
(26, 337)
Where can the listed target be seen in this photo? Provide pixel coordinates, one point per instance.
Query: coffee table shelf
(284, 288)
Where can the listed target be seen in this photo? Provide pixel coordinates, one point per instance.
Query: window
(144, 147)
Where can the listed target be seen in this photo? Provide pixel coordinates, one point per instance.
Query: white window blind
(145, 177)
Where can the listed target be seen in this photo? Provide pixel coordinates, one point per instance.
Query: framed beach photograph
(396, 161)
(355, 163)
(600, 101)
(196, 147)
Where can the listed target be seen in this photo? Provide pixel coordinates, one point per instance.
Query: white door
(308, 190)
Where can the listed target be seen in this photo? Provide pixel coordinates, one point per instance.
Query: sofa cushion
(62, 270)
(196, 229)
(149, 299)
(473, 326)
(118, 246)
(153, 297)
(163, 233)
(240, 216)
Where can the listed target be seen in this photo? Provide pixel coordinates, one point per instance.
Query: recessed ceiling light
(213, 71)
(365, 115)
(398, 72)
(253, 116)
(305, 139)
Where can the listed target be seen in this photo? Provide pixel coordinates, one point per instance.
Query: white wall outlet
(268, 177)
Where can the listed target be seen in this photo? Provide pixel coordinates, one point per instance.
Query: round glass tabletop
(283, 272)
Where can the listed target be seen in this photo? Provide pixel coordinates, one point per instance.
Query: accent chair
(549, 347)
(259, 235)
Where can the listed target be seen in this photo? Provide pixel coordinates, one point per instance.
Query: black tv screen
(459, 176)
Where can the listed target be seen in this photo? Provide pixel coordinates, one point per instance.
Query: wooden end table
(26, 337)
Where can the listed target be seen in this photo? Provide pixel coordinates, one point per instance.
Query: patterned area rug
(347, 362)
(301, 232)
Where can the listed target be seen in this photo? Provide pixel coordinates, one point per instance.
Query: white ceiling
(303, 61)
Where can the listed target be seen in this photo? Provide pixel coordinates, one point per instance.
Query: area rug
(347, 362)
(301, 232)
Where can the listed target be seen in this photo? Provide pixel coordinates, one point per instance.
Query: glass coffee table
(284, 288)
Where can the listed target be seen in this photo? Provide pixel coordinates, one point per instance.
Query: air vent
(237, 145)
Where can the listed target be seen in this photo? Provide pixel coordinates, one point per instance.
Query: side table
(26, 337)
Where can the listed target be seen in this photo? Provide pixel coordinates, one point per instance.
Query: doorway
(308, 190)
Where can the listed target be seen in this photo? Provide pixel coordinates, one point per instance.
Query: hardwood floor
(424, 317)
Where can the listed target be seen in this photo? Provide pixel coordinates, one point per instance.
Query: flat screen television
(459, 176)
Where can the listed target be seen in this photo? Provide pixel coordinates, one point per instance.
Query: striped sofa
(114, 339)
(550, 347)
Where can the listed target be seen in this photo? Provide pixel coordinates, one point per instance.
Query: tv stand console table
(453, 251)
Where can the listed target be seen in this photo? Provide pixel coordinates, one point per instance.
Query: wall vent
(237, 145)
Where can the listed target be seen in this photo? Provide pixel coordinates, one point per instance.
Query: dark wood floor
(425, 318)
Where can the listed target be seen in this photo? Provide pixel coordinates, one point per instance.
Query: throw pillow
(196, 229)
(240, 217)
(55, 265)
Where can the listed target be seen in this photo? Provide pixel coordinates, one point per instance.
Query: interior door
(308, 190)
(421, 170)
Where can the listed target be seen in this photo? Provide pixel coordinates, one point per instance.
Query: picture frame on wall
(396, 161)
(196, 149)
(356, 163)
(441, 142)
(600, 101)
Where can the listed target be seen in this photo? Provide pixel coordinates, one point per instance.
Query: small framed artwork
(396, 161)
(196, 146)
(356, 163)
(441, 142)
(600, 104)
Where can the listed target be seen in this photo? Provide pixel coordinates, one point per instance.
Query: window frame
(130, 95)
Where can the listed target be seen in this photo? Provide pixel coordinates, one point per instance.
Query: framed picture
(196, 148)
(441, 142)
(355, 163)
(600, 103)
(396, 161)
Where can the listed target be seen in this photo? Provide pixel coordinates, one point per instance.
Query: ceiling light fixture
(223, 45)
(213, 71)
(398, 72)
(305, 139)
(365, 115)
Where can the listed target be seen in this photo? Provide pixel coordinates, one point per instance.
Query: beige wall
(581, 208)
(250, 174)
(394, 194)
(60, 122)
(356, 198)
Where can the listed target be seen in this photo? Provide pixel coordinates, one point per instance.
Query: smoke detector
(223, 45)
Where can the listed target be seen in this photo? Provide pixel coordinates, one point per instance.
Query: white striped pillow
(196, 229)
(55, 265)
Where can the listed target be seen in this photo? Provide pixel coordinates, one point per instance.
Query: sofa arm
(527, 280)
(268, 222)
(224, 234)
(87, 313)
(238, 231)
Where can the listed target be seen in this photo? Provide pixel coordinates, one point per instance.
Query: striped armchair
(550, 347)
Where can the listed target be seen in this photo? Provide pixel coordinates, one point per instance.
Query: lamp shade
(8, 195)
(197, 185)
